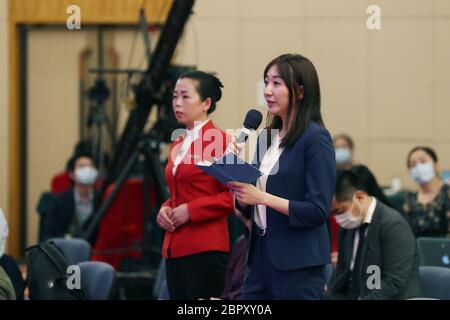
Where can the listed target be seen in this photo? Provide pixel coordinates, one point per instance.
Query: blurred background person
(427, 210)
(72, 210)
(344, 147)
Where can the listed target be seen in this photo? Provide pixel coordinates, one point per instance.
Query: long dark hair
(297, 71)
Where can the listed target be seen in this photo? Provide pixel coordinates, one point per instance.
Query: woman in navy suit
(289, 245)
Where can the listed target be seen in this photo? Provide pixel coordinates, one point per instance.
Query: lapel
(371, 236)
(348, 247)
(197, 145)
(261, 150)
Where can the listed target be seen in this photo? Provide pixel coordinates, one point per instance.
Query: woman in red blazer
(196, 241)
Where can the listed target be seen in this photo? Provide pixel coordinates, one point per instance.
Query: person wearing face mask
(428, 210)
(71, 210)
(370, 184)
(372, 235)
(343, 147)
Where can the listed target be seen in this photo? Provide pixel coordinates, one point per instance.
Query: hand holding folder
(230, 168)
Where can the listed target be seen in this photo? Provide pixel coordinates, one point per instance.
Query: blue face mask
(343, 155)
(423, 172)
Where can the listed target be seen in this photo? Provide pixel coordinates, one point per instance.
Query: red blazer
(209, 202)
(334, 233)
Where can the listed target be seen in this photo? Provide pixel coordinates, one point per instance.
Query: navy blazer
(306, 177)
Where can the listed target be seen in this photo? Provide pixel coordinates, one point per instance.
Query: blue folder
(231, 168)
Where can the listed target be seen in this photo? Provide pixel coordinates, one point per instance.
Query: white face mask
(347, 220)
(86, 175)
(423, 172)
(3, 233)
(343, 155)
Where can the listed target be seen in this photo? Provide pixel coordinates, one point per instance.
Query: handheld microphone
(253, 119)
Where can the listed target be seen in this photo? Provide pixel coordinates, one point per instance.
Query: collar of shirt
(370, 211)
(187, 139)
(78, 199)
(194, 133)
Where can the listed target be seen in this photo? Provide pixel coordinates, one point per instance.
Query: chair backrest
(97, 278)
(75, 250)
(434, 251)
(435, 282)
(328, 274)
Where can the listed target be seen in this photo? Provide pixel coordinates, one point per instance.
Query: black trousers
(197, 276)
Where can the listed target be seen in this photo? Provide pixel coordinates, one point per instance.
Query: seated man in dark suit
(71, 210)
(378, 256)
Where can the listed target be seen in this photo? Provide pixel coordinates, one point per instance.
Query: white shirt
(270, 159)
(191, 136)
(83, 209)
(368, 220)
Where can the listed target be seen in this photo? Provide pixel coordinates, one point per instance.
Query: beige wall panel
(362, 152)
(442, 79)
(401, 80)
(272, 9)
(341, 60)
(389, 161)
(442, 8)
(332, 8)
(405, 7)
(52, 110)
(218, 52)
(259, 45)
(217, 8)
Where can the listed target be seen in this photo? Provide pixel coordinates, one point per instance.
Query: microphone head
(253, 119)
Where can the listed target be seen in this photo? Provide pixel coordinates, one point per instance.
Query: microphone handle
(243, 135)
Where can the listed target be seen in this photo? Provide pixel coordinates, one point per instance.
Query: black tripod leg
(154, 172)
(160, 182)
(90, 230)
(148, 213)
